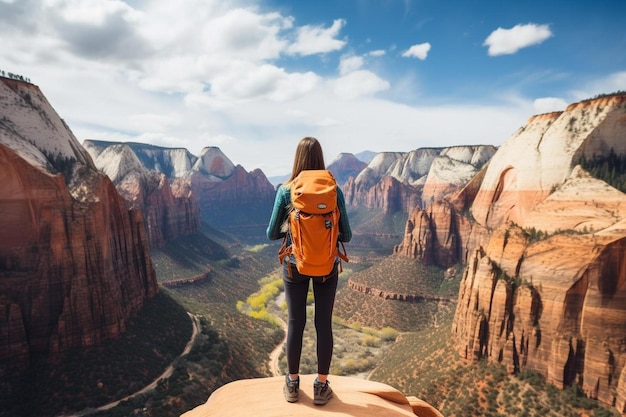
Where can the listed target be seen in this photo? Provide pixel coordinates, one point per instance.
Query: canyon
(543, 240)
(544, 287)
(74, 260)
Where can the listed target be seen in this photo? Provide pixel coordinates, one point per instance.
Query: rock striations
(400, 182)
(74, 261)
(178, 190)
(139, 174)
(545, 283)
(230, 197)
(346, 165)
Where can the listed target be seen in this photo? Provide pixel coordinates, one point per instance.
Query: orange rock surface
(352, 397)
(545, 285)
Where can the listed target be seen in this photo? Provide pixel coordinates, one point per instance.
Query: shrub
(388, 334)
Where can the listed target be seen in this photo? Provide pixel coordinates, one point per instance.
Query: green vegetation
(60, 164)
(609, 168)
(189, 256)
(356, 352)
(402, 275)
(369, 223)
(13, 76)
(426, 365)
(256, 305)
(231, 345)
(605, 95)
(257, 248)
(398, 275)
(535, 235)
(108, 372)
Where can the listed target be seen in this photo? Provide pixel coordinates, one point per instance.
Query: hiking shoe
(291, 389)
(321, 392)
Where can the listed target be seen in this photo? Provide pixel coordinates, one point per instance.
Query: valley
(482, 282)
(419, 360)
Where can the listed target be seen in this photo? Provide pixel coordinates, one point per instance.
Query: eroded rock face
(400, 182)
(241, 202)
(388, 195)
(452, 169)
(74, 261)
(178, 190)
(168, 212)
(545, 286)
(346, 165)
(434, 235)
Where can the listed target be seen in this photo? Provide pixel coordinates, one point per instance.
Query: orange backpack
(313, 224)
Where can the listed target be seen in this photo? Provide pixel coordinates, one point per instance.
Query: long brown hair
(308, 156)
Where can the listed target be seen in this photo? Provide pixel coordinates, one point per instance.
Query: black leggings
(296, 289)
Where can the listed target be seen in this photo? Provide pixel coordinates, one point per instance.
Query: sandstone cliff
(178, 190)
(435, 235)
(138, 172)
(545, 283)
(452, 169)
(346, 165)
(74, 261)
(397, 181)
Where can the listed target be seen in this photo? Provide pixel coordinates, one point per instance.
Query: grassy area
(187, 257)
(399, 275)
(357, 349)
(403, 275)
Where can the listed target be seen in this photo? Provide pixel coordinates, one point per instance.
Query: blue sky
(253, 77)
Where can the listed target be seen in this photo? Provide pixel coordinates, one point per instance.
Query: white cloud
(317, 39)
(208, 72)
(247, 81)
(351, 63)
(377, 53)
(419, 51)
(509, 41)
(549, 104)
(244, 34)
(89, 12)
(359, 83)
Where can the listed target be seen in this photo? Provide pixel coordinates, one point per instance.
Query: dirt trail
(166, 374)
(273, 363)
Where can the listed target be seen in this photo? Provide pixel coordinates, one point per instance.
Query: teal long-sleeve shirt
(280, 212)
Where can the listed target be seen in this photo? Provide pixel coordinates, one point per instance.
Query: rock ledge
(352, 397)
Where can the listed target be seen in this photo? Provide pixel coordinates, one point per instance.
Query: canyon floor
(419, 359)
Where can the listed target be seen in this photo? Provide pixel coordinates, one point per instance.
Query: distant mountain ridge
(401, 181)
(345, 166)
(168, 212)
(173, 162)
(221, 194)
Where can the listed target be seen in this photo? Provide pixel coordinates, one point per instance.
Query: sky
(253, 77)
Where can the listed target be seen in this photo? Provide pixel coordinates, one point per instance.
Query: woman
(309, 156)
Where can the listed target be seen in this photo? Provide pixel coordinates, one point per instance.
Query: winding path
(166, 374)
(273, 363)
